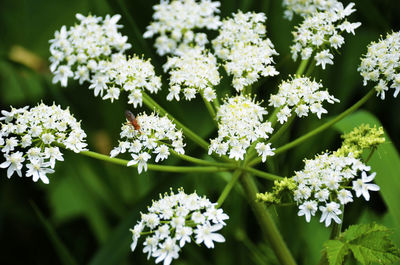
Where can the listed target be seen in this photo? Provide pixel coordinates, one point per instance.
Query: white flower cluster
(93, 51)
(382, 63)
(240, 123)
(242, 44)
(301, 94)
(321, 32)
(131, 75)
(322, 185)
(29, 136)
(78, 51)
(193, 71)
(176, 21)
(154, 134)
(306, 8)
(174, 220)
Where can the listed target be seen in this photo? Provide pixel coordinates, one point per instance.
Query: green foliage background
(83, 215)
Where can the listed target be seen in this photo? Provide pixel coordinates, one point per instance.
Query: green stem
(153, 167)
(228, 187)
(148, 101)
(370, 154)
(320, 128)
(210, 109)
(260, 173)
(302, 67)
(267, 225)
(201, 161)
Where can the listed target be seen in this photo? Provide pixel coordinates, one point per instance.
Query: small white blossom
(169, 225)
(361, 186)
(382, 63)
(246, 52)
(329, 212)
(240, 123)
(320, 32)
(29, 136)
(323, 185)
(87, 42)
(302, 95)
(194, 70)
(177, 22)
(152, 137)
(306, 8)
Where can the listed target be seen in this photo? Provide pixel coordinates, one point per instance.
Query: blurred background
(83, 215)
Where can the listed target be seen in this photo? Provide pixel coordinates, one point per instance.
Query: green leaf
(336, 251)
(385, 161)
(371, 243)
(65, 257)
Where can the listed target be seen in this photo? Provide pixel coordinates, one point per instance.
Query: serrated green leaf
(371, 243)
(336, 250)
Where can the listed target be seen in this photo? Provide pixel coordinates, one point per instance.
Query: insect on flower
(132, 120)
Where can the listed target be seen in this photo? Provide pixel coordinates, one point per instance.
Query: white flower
(308, 209)
(169, 225)
(193, 70)
(323, 58)
(345, 196)
(307, 8)
(176, 21)
(329, 212)
(381, 64)
(205, 233)
(361, 186)
(33, 132)
(246, 52)
(264, 150)
(38, 170)
(324, 183)
(301, 94)
(167, 252)
(77, 51)
(320, 31)
(154, 135)
(13, 163)
(240, 122)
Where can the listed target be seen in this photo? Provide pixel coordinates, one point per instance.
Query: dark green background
(90, 205)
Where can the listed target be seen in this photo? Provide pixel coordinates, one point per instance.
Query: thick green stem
(228, 187)
(267, 225)
(148, 101)
(210, 109)
(260, 173)
(302, 67)
(320, 128)
(153, 167)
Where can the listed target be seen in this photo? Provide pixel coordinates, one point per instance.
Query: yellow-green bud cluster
(278, 191)
(360, 138)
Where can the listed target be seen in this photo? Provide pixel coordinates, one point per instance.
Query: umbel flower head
(382, 63)
(153, 135)
(302, 95)
(132, 75)
(176, 219)
(323, 185)
(240, 123)
(30, 137)
(193, 71)
(246, 52)
(93, 52)
(321, 32)
(77, 52)
(306, 8)
(177, 22)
